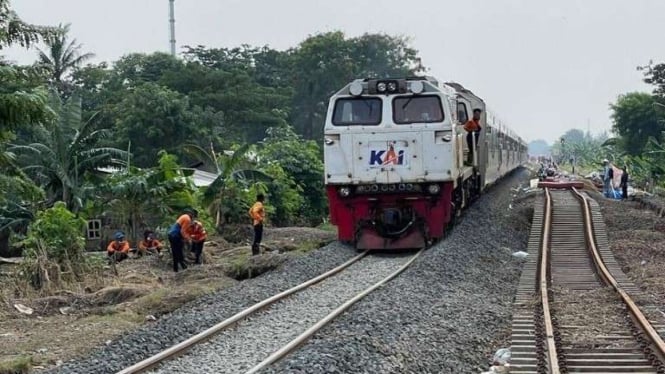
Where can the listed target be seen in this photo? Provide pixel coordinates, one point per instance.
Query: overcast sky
(542, 66)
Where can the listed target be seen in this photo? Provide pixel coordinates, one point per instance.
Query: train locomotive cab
(391, 160)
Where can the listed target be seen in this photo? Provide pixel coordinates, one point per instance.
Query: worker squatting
(187, 231)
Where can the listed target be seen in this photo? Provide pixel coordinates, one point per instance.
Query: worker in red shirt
(118, 249)
(258, 214)
(473, 128)
(178, 235)
(198, 235)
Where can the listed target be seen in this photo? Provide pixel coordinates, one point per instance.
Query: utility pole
(172, 24)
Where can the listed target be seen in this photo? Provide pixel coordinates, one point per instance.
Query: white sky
(542, 66)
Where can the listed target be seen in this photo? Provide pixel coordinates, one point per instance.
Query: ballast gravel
(447, 313)
(204, 312)
(241, 348)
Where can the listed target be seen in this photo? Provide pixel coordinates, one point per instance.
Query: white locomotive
(397, 163)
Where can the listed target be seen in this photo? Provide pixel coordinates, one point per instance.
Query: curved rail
(300, 339)
(183, 346)
(542, 280)
(644, 323)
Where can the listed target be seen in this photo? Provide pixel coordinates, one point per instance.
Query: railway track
(575, 310)
(278, 325)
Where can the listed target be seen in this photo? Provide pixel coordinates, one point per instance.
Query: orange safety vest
(197, 232)
(119, 247)
(257, 213)
(472, 125)
(145, 244)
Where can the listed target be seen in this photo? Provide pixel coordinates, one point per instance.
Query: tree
(137, 68)
(152, 118)
(14, 31)
(137, 196)
(234, 84)
(235, 173)
(654, 74)
(303, 169)
(636, 118)
(574, 136)
(22, 102)
(65, 150)
(323, 63)
(61, 58)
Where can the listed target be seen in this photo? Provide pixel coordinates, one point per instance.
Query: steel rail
(542, 279)
(644, 323)
(302, 338)
(183, 346)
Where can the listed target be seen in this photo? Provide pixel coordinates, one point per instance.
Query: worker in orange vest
(118, 249)
(198, 234)
(258, 214)
(179, 235)
(473, 130)
(150, 244)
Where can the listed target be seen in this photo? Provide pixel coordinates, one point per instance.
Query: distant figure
(608, 175)
(118, 249)
(198, 234)
(149, 244)
(258, 214)
(178, 235)
(624, 184)
(473, 128)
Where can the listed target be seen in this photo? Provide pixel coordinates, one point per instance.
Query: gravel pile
(447, 313)
(204, 312)
(239, 349)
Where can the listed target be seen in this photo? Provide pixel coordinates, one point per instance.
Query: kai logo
(390, 155)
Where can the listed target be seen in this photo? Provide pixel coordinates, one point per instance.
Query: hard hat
(119, 235)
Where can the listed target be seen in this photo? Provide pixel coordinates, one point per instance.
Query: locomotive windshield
(357, 112)
(417, 109)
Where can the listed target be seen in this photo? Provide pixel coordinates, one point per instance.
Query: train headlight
(392, 86)
(446, 138)
(356, 89)
(417, 87)
(433, 189)
(381, 87)
(329, 141)
(344, 191)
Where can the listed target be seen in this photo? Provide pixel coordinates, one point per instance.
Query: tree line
(636, 140)
(126, 136)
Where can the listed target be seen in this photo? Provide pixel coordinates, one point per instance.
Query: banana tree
(234, 171)
(140, 197)
(65, 150)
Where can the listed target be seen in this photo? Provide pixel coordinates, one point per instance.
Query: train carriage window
(462, 113)
(417, 109)
(357, 112)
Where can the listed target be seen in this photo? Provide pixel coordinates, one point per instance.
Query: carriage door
(462, 117)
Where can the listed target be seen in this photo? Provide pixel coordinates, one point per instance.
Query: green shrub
(54, 246)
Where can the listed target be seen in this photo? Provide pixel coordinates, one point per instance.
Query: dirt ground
(637, 238)
(67, 323)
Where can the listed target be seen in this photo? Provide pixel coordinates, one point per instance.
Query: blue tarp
(613, 194)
